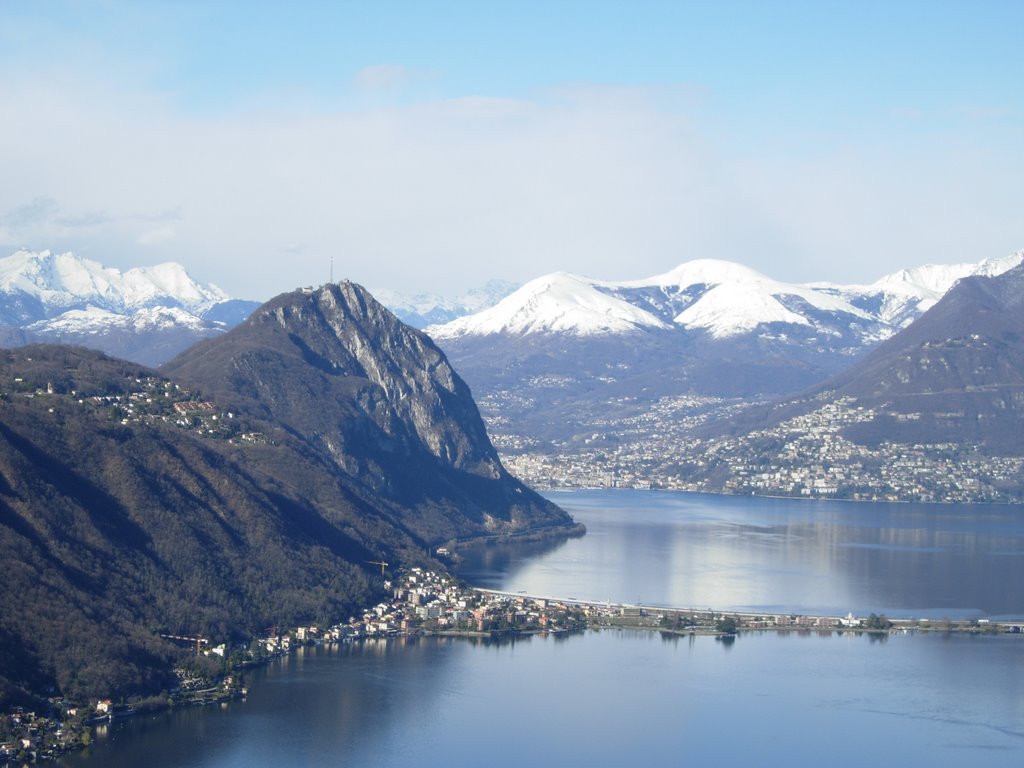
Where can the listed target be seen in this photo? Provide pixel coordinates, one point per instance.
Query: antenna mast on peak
(332, 270)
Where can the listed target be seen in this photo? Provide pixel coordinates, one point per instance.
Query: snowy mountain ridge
(556, 303)
(899, 298)
(145, 314)
(94, 321)
(723, 299)
(67, 280)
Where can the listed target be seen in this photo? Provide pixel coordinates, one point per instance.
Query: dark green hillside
(251, 491)
(111, 533)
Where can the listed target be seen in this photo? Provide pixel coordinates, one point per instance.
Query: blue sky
(432, 146)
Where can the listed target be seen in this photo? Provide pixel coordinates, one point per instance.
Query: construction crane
(381, 563)
(196, 638)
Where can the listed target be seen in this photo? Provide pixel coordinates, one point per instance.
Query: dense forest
(113, 533)
(133, 504)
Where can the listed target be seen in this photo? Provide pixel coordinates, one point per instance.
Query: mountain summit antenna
(332, 270)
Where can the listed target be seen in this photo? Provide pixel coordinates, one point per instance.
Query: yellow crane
(381, 563)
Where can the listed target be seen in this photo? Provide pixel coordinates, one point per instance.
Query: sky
(432, 146)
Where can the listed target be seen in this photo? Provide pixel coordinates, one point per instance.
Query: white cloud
(443, 195)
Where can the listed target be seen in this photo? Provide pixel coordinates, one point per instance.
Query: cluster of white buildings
(807, 456)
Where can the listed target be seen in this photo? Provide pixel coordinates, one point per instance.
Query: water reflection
(775, 555)
(311, 701)
(485, 565)
(614, 697)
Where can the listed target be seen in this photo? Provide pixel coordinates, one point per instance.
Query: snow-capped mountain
(719, 298)
(64, 280)
(425, 309)
(722, 299)
(146, 314)
(557, 303)
(559, 357)
(95, 321)
(898, 299)
(725, 299)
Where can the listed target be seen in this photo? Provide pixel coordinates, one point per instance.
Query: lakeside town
(419, 603)
(807, 456)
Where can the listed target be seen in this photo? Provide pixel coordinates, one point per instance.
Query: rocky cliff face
(345, 332)
(377, 399)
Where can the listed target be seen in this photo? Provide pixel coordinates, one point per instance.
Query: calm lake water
(671, 549)
(605, 698)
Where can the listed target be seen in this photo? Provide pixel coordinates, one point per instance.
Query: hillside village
(151, 401)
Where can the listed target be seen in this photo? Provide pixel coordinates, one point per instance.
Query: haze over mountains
(425, 309)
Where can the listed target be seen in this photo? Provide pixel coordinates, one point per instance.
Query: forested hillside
(134, 505)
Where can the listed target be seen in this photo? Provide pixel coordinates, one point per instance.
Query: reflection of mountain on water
(602, 700)
(349, 694)
(490, 566)
(430, 701)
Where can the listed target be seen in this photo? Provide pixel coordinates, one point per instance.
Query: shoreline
(764, 620)
(500, 621)
(540, 533)
(1015, 505)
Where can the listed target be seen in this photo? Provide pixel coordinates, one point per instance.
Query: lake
(670, 549)
(605, 698)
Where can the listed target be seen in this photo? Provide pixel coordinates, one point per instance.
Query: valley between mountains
(715, 378)
(260, 476)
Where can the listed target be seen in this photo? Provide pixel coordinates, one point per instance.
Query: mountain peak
(556, 303)
(374, 398)
(344, 329)
(703, 272)
(64, 280)
(147, 313)
(722, 299)
(953, 376)
(933, 280)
